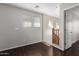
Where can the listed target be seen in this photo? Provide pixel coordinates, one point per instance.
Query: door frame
(65, 32)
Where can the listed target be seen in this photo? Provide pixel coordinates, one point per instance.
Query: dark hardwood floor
(39, 49)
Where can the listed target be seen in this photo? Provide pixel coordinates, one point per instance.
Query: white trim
(45, 43)
(18, 46)
(58, 47)
(54, 45)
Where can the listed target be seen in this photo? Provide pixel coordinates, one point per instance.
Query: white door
(68, 41)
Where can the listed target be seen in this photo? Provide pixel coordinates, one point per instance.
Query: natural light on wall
(36, 22)
(49, 32)
(33, 22)
(57, 26)
(27, 24)
(50, 24)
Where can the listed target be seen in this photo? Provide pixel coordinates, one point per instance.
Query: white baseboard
(18, 46)
(45, 43)
(58, 47)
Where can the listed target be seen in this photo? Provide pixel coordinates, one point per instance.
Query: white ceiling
(52, 9)
(67, 6)
(75, 11)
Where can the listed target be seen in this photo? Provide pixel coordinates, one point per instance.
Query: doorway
(71, 26)
(67, 29)
(55, 33)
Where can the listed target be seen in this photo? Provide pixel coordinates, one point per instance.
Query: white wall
(47, 30)
(60, 21)
(47, 36)
(75, 28)
(68, 31)
(63, 7)
(61, 25)
(12, 32)
(74, 12)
